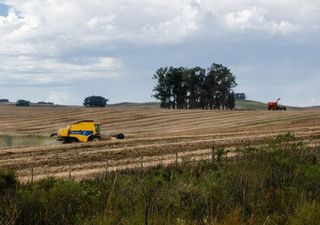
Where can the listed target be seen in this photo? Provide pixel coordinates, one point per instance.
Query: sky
(65, 50)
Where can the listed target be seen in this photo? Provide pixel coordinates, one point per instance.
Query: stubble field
(157, 135)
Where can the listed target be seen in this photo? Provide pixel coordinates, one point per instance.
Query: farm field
(156, 134)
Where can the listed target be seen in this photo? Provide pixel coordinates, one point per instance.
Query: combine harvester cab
(82, 131)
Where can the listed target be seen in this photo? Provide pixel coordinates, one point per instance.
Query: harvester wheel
(69, 140)
(66, 141)
(94, 139)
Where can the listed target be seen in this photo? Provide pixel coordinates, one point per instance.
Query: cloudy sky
(65, 50)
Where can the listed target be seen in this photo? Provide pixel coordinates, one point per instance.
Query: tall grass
(277, 183)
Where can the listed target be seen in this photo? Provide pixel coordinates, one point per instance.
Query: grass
(256, 105)
(277, 183)
(250, 105)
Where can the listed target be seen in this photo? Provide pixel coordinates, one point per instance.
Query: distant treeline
(195, 88)
(240, 96)
(45, 103)
(22, 102)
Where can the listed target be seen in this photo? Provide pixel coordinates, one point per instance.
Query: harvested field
(156, 134)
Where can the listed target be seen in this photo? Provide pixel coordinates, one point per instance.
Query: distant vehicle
(275, 106)
(82, 131)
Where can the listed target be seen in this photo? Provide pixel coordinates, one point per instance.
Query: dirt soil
(153, 136)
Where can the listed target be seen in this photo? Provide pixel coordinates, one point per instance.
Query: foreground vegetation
(274, 184)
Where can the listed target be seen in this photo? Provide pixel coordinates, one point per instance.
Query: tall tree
(222, 81)
(184, 88)
(162, 89)
(231, 101)
(194, 80)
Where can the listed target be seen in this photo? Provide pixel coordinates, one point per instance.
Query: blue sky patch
(4, 10)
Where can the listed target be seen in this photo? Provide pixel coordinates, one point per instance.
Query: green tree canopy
(95, 101)
(240, 96)
(22, 102)
(194, 88)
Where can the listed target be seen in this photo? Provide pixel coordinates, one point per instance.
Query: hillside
(240, 105)
(250, 105)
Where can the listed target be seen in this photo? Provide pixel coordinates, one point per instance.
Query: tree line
(91, 101)
(4, 100)
(195, 88)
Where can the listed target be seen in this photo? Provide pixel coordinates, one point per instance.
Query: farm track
(154, 133)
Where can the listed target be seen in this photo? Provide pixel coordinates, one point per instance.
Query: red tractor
(275, 106)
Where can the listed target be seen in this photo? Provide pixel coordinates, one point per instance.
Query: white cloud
(43, 71)
(285, 27)
(255, 19)
(10, 23)
(183, 24)
(40, 38)
(102, 23)
(59, 97)
(65, 41)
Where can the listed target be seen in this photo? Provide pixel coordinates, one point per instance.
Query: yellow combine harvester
(82, 131)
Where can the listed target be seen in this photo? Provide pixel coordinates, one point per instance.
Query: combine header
(275, 106)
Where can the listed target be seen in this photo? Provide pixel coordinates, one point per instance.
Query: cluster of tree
(45, 103)
(22, 102)
(240, 96)
(95, 101)
(91, 101)
(195, 88)
(4, 100)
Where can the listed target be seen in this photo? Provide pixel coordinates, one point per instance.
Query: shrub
(95, 101)
(308, 214)
(22, 102)
(4, 100)
(67, 202)
(8, 181)
(45, 103)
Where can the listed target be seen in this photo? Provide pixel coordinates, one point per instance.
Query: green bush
(307, 214)
(95, 101)
(22, 102)
(8, 181)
